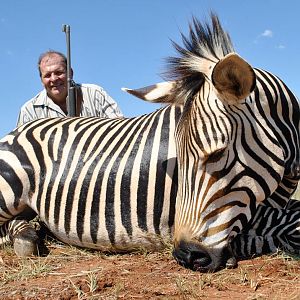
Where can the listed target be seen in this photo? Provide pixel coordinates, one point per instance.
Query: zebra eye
(216, 155)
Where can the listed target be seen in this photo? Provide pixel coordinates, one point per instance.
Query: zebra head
(228, 160)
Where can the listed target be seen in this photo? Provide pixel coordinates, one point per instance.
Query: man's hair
(50, 53)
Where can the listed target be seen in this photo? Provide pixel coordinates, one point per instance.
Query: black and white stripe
(98, 183)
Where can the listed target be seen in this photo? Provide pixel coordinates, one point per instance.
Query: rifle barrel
(71, 99)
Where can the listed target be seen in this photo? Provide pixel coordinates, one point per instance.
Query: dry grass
(72, 273)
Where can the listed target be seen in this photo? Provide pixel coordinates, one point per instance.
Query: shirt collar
(44, 100)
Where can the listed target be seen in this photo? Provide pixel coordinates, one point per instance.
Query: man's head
(52, 67)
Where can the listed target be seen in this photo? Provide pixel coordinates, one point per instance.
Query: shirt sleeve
(106, 105)
(26, 114)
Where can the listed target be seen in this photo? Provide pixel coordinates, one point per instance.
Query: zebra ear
(233, 78)
(157, 93)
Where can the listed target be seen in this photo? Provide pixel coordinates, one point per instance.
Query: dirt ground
(71, 273)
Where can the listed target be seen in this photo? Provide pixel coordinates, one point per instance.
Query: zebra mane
(205, 45)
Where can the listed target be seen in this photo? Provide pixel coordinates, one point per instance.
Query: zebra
(36, 136)
(121, 184)
(237, 145)
(161, 124)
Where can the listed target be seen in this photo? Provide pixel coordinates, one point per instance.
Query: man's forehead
(51, 60)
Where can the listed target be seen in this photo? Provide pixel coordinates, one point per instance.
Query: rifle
(71, 98)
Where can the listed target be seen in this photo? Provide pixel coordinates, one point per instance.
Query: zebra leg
(246, 246)
(270, 230)
(18, 231)
(22, 235)
(293, 204)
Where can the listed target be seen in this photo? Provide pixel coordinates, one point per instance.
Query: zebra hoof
(25, 243)
(231, 263)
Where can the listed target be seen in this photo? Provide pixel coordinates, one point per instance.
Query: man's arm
(26, 114)
(110, 107)
(97, 102)
(107, 105)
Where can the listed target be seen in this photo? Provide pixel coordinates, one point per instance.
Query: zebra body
(97, 183)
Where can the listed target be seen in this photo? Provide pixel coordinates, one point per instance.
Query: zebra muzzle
(194, 256)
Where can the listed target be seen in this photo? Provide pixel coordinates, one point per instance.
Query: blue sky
(123, 43)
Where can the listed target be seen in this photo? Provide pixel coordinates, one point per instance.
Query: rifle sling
(79, 99)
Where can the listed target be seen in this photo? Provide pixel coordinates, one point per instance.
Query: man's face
(54, 77)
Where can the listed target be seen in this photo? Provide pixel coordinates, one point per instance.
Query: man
(92, 100)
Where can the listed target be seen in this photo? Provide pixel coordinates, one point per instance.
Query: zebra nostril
(202, 263)
(183, 257)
